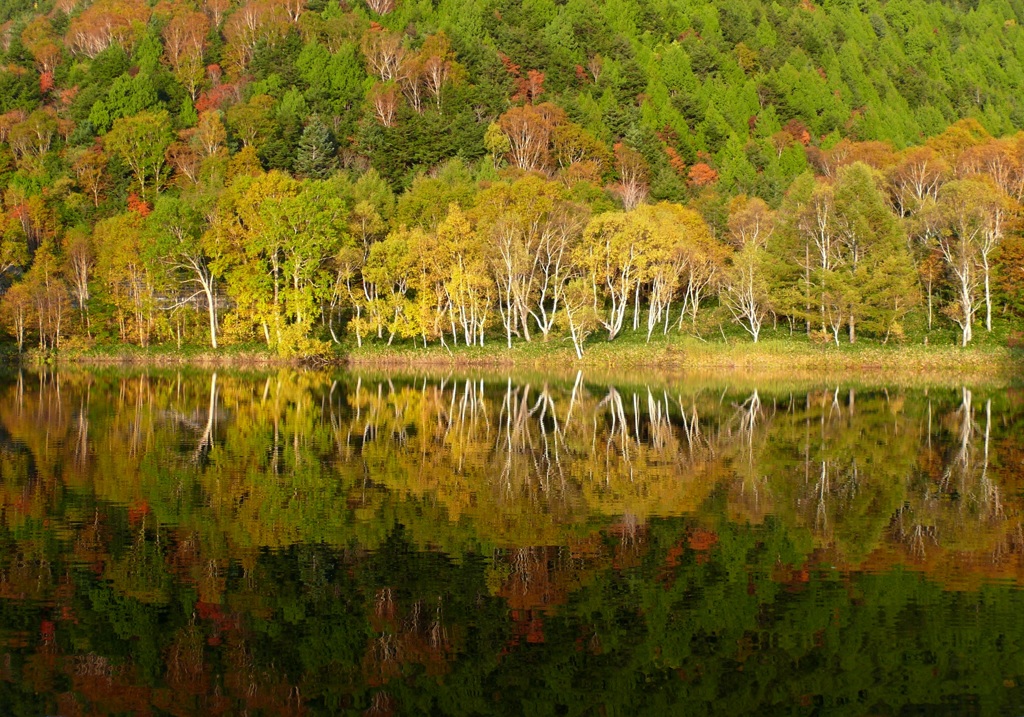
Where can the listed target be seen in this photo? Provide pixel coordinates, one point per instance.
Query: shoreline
(777, 357)
(769, 360)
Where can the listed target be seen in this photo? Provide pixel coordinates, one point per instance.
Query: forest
(319, 176)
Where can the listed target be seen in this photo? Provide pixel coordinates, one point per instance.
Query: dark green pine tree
(315, 158)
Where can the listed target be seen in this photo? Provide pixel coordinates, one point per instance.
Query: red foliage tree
(138, 205)
(677, 163)
(702, 175)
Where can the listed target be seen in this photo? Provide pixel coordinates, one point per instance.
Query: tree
(184, 42)
(81, 259)
(561, 235)
(633, 171)
(13, 247)
(464, 280)
(210, 138)
(104, 23)
(916, 177)
(254, 23)
(141, 141)
(126, 279)
(390, 268)
(49, 296)
(16, 310)
(41, 40)
(90, 169)
(315, 158)
(680, 248)
(744, 291)
(383, 99)
(383, 52)
(528, 129)
(878, 270)
(178, 226)
(1010, 274)
(273, 237)
(612, 252)
(438, 64)
(518, 220)
(579, 153)
(964, 224)
(253, 121)
(995, 210)
(381, 7)
(31, 139)
(579, 313)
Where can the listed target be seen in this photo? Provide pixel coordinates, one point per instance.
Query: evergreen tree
(315, 158)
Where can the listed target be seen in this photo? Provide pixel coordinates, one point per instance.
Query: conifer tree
(315, 158)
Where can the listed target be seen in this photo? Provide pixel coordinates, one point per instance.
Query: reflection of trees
(226, 460)
(958, 505)
(261, 571)
(846, 467)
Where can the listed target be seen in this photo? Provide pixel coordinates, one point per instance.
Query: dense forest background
(293, 172)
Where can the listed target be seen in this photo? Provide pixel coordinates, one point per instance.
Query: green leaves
(141, 141)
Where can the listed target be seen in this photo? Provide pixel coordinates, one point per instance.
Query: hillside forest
(318, 176)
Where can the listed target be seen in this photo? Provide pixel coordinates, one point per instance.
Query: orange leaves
(528, 88)
(510, 67)
(531, 87)
(675, 161)
(798, 131)
(702, 540)
(702, 175)
(185, 160)
(415, 73)
(138, 205)
(528, 129)
(184, 37)
(107, 22)
(699, 175)
(218, 97)
(42, 42)
(878, 155)
(45, 82)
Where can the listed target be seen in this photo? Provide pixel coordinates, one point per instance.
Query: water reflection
(304, 542)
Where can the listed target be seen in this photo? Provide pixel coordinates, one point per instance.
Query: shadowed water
(305, 543)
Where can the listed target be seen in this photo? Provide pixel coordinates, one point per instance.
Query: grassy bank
(719, 353)
(686, 354)
(240, 356)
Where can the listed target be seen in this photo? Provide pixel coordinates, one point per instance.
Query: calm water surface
(305, 543)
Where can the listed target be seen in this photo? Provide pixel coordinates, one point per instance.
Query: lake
(306, 543)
